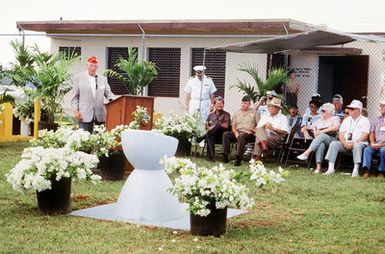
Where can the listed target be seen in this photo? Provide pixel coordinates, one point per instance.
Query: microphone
(96, 82)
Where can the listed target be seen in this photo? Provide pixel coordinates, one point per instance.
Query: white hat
(199, 68)
(338, 97)
(275, 102)
(272, 93)
(355, 104)
(315, 95)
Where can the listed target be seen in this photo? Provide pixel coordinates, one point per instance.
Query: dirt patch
(77, 198)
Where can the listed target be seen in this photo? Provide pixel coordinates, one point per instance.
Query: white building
(354, 70)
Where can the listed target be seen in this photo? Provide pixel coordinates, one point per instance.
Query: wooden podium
(119, 111)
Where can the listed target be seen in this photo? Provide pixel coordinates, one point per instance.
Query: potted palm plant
(134, 74)
(51, 79)
(48, 74)
(275, 77)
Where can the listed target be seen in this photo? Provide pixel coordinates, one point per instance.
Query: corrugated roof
(194, 27)
(297, 42)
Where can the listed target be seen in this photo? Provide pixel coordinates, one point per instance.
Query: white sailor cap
(199, 68)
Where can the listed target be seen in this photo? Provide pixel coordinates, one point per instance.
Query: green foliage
(21, 69)
(52, 80)
(133, 74)
(47, 72)
(4, 98)
(275, 77)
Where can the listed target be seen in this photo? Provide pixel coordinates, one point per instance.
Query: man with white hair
(353, 136)
(338, 102)
(200, 91)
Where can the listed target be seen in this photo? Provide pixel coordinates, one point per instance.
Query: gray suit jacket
(83, 100)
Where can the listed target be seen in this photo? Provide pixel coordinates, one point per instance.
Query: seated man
(217, 122)
(242, 131)
(377, 144)
(353, 136)
(271, 129)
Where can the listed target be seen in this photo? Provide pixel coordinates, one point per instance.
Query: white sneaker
(302, 157)
(355, 173)
(317, 171)
(329, 172)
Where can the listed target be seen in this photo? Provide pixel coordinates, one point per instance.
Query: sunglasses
(346, 113)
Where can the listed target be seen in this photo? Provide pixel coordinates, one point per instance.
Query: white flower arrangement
(99, 142)
(201, 186)
(185, 126)
(141, 117)
(40, 166)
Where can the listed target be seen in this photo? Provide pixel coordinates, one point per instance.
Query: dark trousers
(214, 136)
(89, 126)
(242, 140)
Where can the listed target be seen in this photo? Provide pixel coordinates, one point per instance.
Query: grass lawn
(306, 214)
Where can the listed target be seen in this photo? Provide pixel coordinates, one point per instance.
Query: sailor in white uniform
(200, 91)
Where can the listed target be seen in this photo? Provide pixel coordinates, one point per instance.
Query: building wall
(305, 64)
(376, 75)
(98, 47)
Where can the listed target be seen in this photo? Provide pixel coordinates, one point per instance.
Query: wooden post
(36, 117)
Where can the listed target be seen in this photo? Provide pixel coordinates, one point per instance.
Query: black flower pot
(113, 167)
(57, 200)
(184, 147)
(213, 224)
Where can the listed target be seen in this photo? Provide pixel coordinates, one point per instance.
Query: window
(215, 62)
(71, 51)
(167, 61)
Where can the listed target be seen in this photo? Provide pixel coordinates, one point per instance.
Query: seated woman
(309, 118)
(325, 131)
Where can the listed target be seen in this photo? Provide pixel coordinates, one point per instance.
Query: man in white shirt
(270, 129)
(353, 136)
(199, 91)
(88, 95)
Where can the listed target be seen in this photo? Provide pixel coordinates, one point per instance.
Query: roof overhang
(194, 27)
(297, 42)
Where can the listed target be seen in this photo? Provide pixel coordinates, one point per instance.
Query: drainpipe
(143, 44)
(286, 51)
(143, 47)
(22, 32)
(286, 64)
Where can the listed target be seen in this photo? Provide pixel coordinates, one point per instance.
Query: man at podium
(87, 96)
